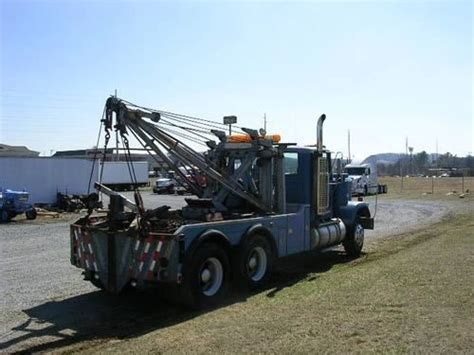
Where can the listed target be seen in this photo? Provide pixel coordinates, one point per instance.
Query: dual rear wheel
(208, 272)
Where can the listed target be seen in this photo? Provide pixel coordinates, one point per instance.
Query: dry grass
(414, 187)
(410, 293)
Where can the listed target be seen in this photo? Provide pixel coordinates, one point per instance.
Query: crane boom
(226, 165)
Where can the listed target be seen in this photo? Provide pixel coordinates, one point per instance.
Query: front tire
(206, 277)
(31, 214)
(254, 262)
(4, 216)
(354, 242)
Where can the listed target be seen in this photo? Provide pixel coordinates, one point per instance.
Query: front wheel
(355, 240)
(254, 262)
(31, 214)
(4, 216)
(207, 276)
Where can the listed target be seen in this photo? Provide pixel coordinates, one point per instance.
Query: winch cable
(133, 178)
(128, 159)
(208, 126)
(190, 120)
(185, 136)
(376, 201)
(139, 139)
(190, 130)
(94, 159)
(186, 128)
(202, 121)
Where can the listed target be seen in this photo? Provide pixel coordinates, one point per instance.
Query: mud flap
(97, 253)
(367, 222)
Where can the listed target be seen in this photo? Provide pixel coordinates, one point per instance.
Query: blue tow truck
(263, 200)
(13, 203)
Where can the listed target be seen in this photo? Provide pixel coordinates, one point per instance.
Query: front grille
(323, 185)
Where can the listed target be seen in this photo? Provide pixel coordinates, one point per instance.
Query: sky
(385, 70)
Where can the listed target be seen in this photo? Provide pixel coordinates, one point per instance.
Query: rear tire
(206, 277)
(254, 262)
(354, 241)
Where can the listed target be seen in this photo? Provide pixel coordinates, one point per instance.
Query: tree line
(425, 164)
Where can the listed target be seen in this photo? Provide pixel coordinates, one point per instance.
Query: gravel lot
(45, 303)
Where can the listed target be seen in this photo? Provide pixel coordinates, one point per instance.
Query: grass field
(420, 186)
(410, 293)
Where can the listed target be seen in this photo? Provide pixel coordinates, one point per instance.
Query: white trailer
(116, 174)
(44, 177)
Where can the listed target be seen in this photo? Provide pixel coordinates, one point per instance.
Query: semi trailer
(116, 175)
(263, 200)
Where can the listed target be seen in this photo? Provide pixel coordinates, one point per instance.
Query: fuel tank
(328, 234)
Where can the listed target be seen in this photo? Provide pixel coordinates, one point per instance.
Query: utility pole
(116, 137)
(349, 146)
(265, 122)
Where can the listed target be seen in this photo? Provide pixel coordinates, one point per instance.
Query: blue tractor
(13, 203)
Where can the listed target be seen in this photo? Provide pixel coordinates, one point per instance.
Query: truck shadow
(98, 316)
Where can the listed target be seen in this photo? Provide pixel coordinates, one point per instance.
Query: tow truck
(263, 200)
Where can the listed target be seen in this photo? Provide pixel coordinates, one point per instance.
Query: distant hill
(382, 158)
(390, 158)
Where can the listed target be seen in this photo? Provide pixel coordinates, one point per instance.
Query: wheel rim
(359, 235)
(211, 276)
(257, 264)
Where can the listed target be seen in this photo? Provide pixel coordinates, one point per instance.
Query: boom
(229, 165)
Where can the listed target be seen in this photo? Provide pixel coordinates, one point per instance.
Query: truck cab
(309, 179)
(363, 177)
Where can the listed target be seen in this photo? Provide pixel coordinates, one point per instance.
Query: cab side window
(291, 163)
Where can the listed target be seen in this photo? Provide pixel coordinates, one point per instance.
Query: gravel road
(45, 303)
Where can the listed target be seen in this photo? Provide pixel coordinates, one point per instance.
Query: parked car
(164, 185)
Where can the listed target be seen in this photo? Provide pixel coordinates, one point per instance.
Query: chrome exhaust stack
(319, 132)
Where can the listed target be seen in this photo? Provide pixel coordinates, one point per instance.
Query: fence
(429, 185)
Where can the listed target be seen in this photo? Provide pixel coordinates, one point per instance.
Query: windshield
(355, 171)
